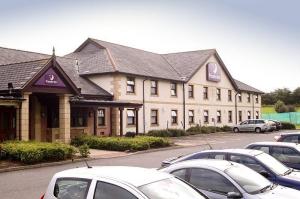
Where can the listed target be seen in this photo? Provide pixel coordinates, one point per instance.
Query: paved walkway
(106, 154)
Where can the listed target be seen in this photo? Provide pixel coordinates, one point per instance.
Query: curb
(49, 164)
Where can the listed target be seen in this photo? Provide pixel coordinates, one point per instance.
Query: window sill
(154, 125)
(130, 93)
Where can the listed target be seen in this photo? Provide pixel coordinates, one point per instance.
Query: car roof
(250, 152)
(221, 165)
(293, 133)
(135, 176)
(286, 144)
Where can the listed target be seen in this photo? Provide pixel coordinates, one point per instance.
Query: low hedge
(167, 133)
(29, 152)
(288, 126)
(207, 129)
(137, 143)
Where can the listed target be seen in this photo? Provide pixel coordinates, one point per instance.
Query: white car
(114, 182)
(220, 179)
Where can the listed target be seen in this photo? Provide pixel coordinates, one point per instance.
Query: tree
(280, 107)
(296, 96)
(268, 98)
(284, 95)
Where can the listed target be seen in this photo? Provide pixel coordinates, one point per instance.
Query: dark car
(288, 137)
(259, 161)
(287, 153)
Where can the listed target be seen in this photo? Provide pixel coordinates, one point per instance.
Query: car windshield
(273, 164)
(170, 188)
(240, 174)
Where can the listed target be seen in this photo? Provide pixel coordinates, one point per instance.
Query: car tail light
(277, 137)
(42, 197)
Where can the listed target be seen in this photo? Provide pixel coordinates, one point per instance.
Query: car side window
(198, 156)
(285, 154)
(259, 121)
(71, 188)
(217, 156)
(293, 139)
(181, 173)
(211, 181)
(265, 149)
(247, 161)
(251, 122)
(110, 191)
(244, 123)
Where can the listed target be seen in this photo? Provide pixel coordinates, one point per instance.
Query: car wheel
(258, 130)
(235, 130)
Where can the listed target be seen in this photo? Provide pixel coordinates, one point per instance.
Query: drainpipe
(144, 116)
(236, 117)
(183, 95)
(253, 106)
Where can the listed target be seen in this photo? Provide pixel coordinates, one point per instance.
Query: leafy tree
(296, 96)
(280, 107)
(268, 98)
(284, 95)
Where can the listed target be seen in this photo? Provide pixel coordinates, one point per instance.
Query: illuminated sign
(50, 78)
(213, 72)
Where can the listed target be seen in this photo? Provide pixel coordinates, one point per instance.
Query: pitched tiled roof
(186, 63)
(18, 67)
(87, 87)
(9, 56)
(245, 87)
(20, 73)
(127, 60)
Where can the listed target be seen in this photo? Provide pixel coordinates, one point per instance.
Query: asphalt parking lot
(29, 184)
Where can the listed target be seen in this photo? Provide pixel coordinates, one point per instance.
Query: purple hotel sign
(50, 78)
(213, 72)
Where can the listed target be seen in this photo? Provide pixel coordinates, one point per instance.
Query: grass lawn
(270, 109)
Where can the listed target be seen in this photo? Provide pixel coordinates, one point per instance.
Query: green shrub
(167, 133)
(84, 150)
(34, 152)
(137, 143)
(207, 129)
(288, 125)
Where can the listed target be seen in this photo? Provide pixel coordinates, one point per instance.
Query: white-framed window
(257, 115)
(191, 91)
(174, 117)
(230, 116)
(173, 89)
(206, 116)
(229, 95)
(154, 87)
(256, 99)
(205, 92)
(101, 117)
(191, 117)
(154, 117)
(249, 115)
(240, 97)
(219, 116)
(218, 94)
(240, 116)
(130, 85)
(130, 117)
(248, 97)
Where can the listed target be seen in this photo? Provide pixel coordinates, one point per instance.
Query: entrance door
(7, 123)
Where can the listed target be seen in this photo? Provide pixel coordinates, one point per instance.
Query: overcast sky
(258, 40)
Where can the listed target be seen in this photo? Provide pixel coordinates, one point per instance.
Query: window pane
(110, 191)
(180, 174)
(130, 113)
(66, 188)
(174, 113)
(211, 181)
(247, 161)
(191, 113)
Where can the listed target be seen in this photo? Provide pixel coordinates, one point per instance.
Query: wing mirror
(265, 174)
(234, 195)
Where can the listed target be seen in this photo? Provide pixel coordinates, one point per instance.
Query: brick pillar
(64, 118)
(115, 120)
(37, 120)
(25, 117)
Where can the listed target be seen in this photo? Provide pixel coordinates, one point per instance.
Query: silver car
(220, 179)
(113, 182)
(257, 126)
